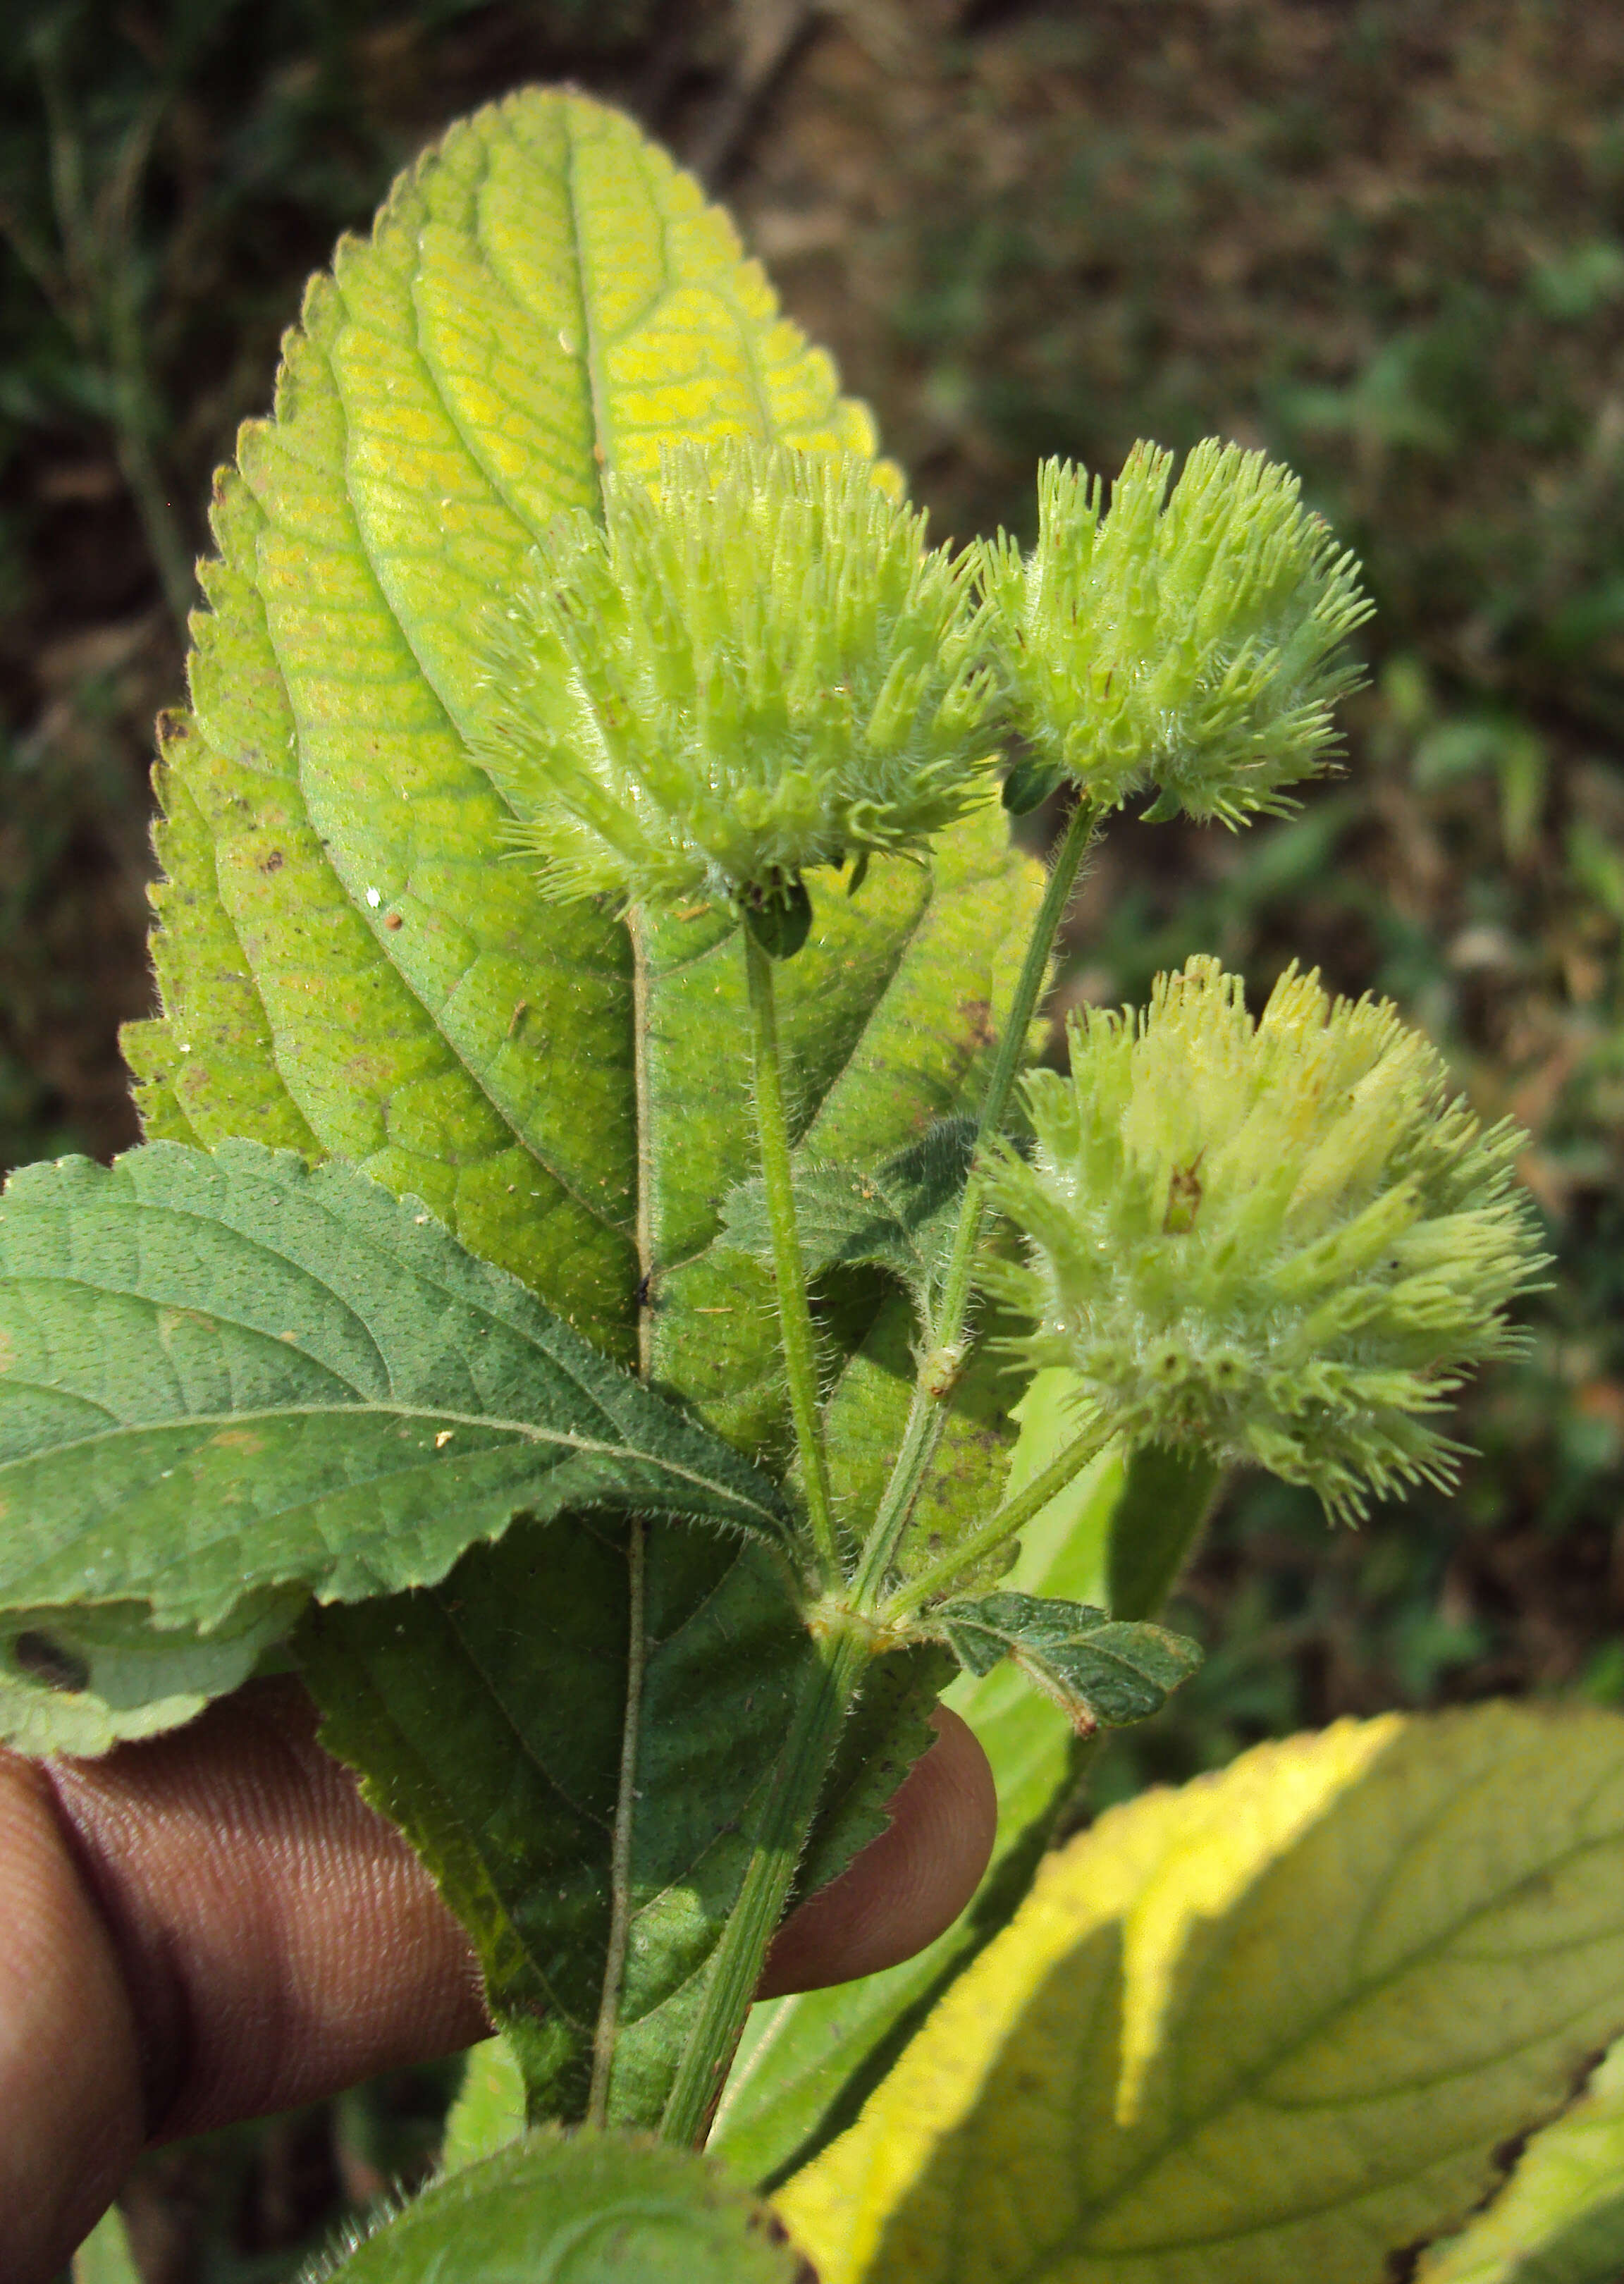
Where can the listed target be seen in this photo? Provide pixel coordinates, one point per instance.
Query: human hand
(214, 1925)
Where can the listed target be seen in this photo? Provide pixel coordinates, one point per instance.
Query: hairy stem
(927, 1414)
(789, 1271)
(736, 1965)
(999, 1527)
(625, 1809)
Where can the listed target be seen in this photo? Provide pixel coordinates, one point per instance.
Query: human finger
(908, 1885)
(213, 1924)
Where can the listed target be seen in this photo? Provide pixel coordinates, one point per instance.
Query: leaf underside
(352, 965)
(1277, 2025)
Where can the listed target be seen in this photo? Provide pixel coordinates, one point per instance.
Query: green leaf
(489, 2108)
(1029, 785)
(588, 1816)
(281, 1383)
(1274, 2025)
(1100, 1670)
(898, 1216)
(587, 2208)
(79, 1679)
(1174, 1495)
(1560, 2218)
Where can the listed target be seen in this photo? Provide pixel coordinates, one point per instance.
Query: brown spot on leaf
(273, 861)
(238, 1439)
(977, 1015)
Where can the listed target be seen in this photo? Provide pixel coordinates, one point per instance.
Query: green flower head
(1278, 1242)
(751, 668)
(1185, 642)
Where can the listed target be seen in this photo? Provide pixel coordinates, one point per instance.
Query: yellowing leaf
(1560, 2218)
(348, 964)
(1271, 2027)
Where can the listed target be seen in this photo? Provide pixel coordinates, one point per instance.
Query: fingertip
(907, 1885)
(279, 1940)
(70, 2079)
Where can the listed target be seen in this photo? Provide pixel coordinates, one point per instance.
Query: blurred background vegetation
(1384, 239)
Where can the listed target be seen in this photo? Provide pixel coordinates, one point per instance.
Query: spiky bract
(1278, 1242)
(751, 668)
(1187, 643)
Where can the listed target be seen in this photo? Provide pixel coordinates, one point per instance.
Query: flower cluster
(1187, 643)
(1279, 1242)
(751, 669)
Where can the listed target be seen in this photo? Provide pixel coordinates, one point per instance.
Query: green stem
(794, 1312)
(927, 1414)
(993, 1533)
(736, 1965)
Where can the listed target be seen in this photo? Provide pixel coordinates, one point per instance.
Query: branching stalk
(927, 1414)
(789, 1270)
(736, 1965)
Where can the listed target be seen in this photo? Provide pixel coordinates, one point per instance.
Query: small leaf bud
(1279, 1243)
(1186, 643)
(749, 669)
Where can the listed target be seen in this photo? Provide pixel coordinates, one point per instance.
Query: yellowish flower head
(751, 669)
(1278, 1242)
(1187, 642)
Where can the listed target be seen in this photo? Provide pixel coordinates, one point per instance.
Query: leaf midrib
(515, 1431)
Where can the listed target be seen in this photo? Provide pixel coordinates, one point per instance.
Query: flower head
(1187, 642)
(751, 668)
(1279, 1242)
